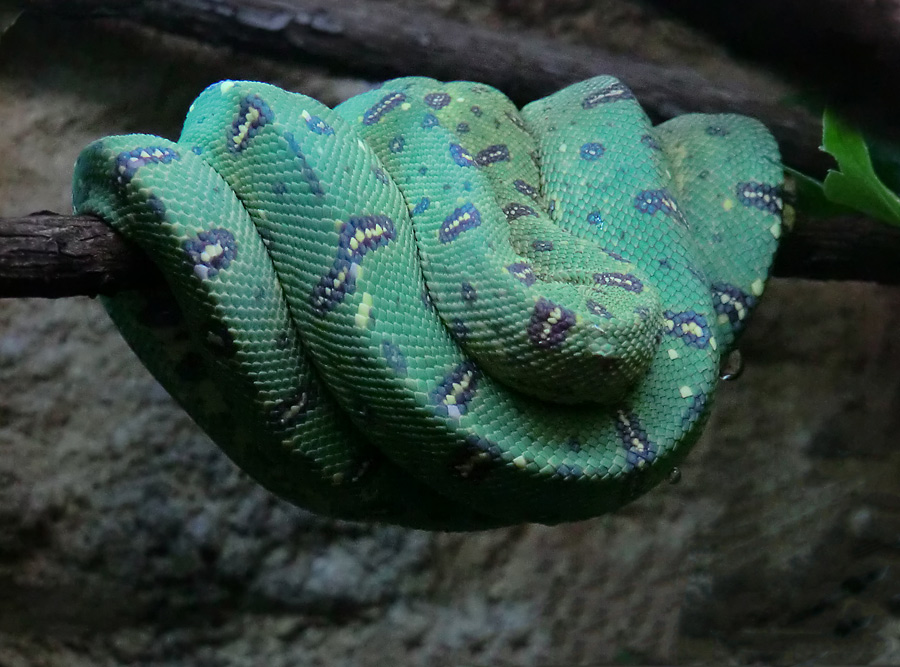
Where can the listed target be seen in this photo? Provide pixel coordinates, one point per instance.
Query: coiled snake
(429, 308)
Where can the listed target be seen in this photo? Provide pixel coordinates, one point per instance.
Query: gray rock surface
(126, 537)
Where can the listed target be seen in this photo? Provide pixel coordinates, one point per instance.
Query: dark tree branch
(377, 40)
(54, 256)
(49, 255)
(843, 50)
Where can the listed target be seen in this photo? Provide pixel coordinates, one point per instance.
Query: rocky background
(127, 538)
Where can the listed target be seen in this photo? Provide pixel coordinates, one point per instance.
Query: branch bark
(55, 256)
(52, 256)
(844, 50)
(378, 40)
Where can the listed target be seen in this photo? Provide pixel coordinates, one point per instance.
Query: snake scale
(430, 308)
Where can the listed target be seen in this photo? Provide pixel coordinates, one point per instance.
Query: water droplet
(732, 366)
(674, 476)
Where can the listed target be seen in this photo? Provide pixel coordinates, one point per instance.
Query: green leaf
(856, 184)
(886, 160)
(810, 197)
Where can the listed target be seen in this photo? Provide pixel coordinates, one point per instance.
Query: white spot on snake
(563, 148)
(520, 461)
(757, 287)
(686, 392)
(713, 343)
(225, 86)
(406, 106)
(673, 354)
(775, 230)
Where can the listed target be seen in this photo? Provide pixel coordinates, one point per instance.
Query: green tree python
(430, 308)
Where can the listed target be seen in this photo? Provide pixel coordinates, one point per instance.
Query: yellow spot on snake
(692, 328)
(244, 128)
(757, 287)
(210, 252)
(406, 106)
(225, 86)
(728, 204)
(788, 216)
(363, 312)
(563, 148)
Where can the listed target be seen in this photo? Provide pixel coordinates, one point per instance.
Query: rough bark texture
(378, 40)
(126, 537)
(54, 256)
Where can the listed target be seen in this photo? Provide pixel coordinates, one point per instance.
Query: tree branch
(52, 256)
(844, 50)
(377, 40)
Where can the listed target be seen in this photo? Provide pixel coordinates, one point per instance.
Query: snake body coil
(429, 308)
